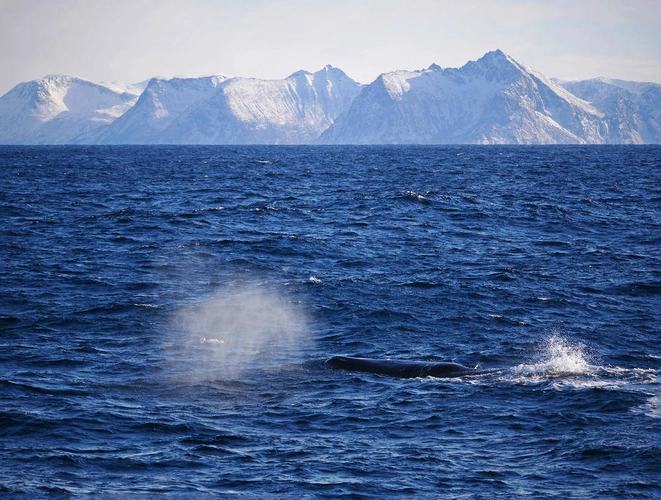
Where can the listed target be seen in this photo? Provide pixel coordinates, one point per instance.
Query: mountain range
(494, 100)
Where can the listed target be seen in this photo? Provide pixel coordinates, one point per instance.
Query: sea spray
(557, 357)
(562, 356)
(236, 330)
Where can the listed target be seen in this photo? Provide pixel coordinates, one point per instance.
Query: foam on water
(558, 357)
(569, 365)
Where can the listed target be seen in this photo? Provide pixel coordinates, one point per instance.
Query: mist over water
(239, 329)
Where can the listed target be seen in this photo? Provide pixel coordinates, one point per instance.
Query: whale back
(401, 369)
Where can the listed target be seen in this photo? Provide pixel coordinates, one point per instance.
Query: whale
(402, 369)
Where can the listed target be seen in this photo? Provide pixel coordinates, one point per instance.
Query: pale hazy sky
(132, 40)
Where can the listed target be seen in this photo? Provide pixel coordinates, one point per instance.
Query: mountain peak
(299, 73)
(326, 70)
(331, 73)
(59, 77)
(496, 53)
(493, 66)
(498, 57)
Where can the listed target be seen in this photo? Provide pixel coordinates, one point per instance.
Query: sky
(133, 40)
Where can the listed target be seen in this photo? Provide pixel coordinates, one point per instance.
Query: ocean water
(165, 315)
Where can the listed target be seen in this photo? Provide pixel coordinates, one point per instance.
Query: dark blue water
(165, 314)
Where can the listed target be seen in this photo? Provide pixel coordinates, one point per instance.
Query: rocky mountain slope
(631, 109)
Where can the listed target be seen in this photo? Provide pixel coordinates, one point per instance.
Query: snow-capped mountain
(161, 103)
(632, 109)
(494, 100)
(59, 108)
(218, 110)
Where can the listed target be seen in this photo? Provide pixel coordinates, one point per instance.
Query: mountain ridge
(493, 100)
